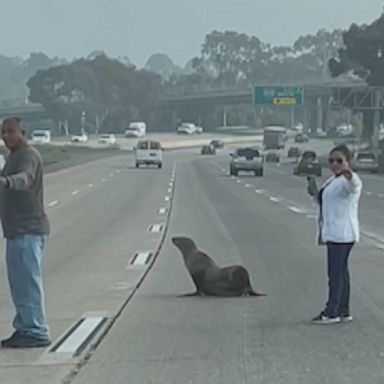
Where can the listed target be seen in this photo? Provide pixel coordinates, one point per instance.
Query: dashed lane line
(295, 209)
(53, 203)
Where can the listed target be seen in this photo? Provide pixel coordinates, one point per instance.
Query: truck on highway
(274, 137)
(136, 129)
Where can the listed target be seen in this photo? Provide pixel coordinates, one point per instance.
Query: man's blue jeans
(339, 279)
(24, 256)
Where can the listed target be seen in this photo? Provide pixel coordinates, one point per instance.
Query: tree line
(112, 92)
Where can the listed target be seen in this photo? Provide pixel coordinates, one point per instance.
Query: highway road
(168, 140)
(105, 213)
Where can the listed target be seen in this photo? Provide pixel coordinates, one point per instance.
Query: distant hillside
(163, 65)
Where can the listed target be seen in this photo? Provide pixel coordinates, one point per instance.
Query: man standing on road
(25, 227)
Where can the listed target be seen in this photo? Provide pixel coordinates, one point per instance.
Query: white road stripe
(90, 185)
(167, 198)
(53, 203)
(248, 185)
(380, 195)
(80, 335)
(103, 180)
(162, 211)
(312, 216)
(274, 199)
(368, 193)
(155, 228)
(259, 191)
(140, 259)
(238, 181)
(76, 192)
(295, 209)
(169, 190)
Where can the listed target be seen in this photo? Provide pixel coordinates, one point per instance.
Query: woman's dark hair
(344, 150)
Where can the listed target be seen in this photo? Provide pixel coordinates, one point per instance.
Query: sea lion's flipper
(192, 294)
(251, 292)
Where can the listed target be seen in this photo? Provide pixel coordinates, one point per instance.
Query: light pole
(82, 122)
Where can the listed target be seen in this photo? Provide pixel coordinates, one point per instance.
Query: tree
(233, 57)
(106, 89)
(362, 56)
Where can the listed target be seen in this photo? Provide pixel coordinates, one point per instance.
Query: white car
(187, 129)
(148, 153)
(199, 130)
(107, 139)
(79, 138)
(41, 137)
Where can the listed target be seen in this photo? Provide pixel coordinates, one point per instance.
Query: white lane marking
(380, 195)
(76, 192)
(259, 191)
(53, 203)
(311, 216)
(167, 198)
(111, 175)
(169, 190)
(368, 193)
(103, 180)
(374, 239)
(80, 335)
(140, 259)
(238, 181)
(162, 211)
(248, 185)
(295, 209)
(90, 185)
(274, 199)
(118, 171)
(156, 228)
(233, 177)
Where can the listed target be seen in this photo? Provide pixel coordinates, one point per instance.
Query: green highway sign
(278, 95)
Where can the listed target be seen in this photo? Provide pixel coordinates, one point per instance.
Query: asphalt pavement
(106, 215)
(268, 225)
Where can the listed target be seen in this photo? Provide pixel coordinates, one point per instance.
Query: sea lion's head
(185, 244)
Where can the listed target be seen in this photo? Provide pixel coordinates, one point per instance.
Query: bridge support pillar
(310, 114)
(174, 120)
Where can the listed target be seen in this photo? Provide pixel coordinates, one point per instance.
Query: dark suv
(308, 164)
(218, 144)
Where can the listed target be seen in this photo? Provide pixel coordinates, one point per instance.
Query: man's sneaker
(17, 340)
(346, 318)
(323, 319)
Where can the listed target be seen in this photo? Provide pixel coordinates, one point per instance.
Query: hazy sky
(138, 28)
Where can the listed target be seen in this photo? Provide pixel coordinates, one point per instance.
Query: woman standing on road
(338, 201)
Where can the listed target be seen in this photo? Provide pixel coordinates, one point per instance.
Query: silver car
(366, 161)
(247, 160)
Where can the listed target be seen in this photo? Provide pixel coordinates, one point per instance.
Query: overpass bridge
(22, 108)
(319, 100)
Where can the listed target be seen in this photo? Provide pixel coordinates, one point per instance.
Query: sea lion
(209, 279)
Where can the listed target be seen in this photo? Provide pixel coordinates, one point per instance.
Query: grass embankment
(60, 157)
